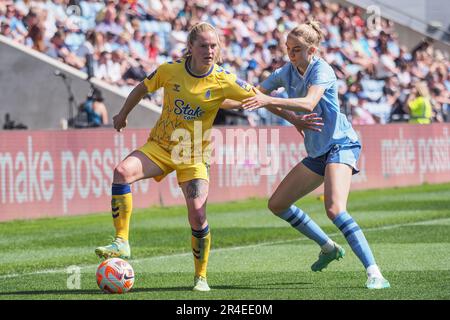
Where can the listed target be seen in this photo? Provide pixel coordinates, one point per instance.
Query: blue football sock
(355, 238)
(303, 223)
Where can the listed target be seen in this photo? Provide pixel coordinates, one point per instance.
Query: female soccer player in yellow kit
(194, 89)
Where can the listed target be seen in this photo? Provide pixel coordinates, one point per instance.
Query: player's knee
(276, 206)
(197, 218)
(333, 211)
(123, 174)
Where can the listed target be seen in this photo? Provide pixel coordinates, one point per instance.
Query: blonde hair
(192, 36)
(422, 89)
(309, 32)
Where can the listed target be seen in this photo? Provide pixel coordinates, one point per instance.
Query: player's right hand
(119, 122)
(257, 101)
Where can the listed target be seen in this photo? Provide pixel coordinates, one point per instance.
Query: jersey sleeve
(273, 82)
(157, 78)
(235, 88)
(322, 75)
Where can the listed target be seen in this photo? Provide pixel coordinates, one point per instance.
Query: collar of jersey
(313, 61)
(186, 65)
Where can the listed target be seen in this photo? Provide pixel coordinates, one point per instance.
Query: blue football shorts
(339, 153)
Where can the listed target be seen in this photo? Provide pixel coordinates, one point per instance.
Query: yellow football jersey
(190, 99)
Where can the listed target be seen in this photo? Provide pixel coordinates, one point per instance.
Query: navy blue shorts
(347, 154)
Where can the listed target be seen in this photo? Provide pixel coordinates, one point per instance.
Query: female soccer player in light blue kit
(332, 152)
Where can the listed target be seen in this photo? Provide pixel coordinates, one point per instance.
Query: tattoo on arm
(195, 189)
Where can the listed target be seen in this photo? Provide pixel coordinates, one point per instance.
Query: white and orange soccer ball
(115, 275)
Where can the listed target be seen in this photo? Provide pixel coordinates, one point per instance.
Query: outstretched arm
(285, 114)
(136, 95)
(230, 104)
(305, 104)
(301, 122)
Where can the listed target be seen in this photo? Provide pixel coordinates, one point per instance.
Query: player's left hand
(308, 121)
(255, 102)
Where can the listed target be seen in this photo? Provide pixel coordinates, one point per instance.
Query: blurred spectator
(108, 23)
(134, 74)
(386, 66)
(360, 115)
(155, 48)
(35, 38)
(88, 46)
(102, 68)
(97, 112)
(6, 30)
(121, 43)
(419, 104)
(129, 38)
(59, 50)
(404, 74)
(395, 99)
(92, 112)
(391, 91)
(137, 47)
(14, 18)
(117, 66)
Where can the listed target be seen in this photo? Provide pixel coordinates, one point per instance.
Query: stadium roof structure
(424, 16)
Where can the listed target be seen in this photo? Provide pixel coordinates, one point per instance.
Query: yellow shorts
(185, 171)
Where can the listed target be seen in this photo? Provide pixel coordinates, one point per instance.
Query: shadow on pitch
(98, 292)
(88, 291)
(270, 286)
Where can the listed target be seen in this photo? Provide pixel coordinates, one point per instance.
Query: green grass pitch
(254, 254)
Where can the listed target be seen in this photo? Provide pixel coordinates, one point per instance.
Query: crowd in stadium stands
(379, 80)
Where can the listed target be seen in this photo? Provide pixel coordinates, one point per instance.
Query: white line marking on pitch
(393, 226)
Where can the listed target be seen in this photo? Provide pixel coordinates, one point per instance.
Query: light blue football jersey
(337, 129)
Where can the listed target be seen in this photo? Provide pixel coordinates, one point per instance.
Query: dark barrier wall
(32, 94)
(56, 173)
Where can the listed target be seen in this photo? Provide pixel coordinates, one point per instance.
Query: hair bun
(316, 26)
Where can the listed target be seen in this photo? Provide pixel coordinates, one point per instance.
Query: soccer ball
(115, 276)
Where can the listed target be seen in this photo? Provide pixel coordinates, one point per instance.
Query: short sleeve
(156, 79)
(235, 88)
(273, 82)
(322, 75)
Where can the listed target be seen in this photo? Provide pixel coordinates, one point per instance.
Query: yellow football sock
(121, 206)
(201, 243)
